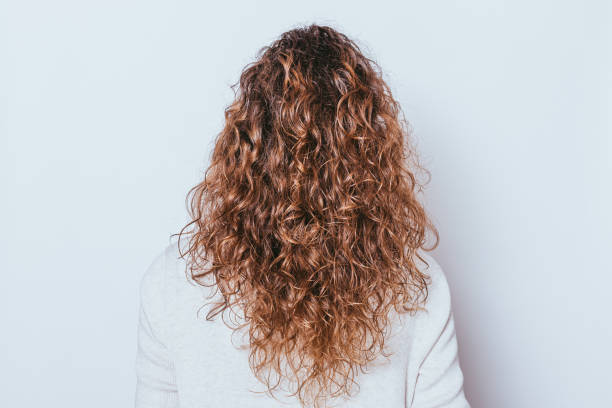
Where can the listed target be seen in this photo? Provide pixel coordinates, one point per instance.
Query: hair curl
(307, 216)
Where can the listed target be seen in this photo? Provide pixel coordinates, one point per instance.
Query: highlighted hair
(307, 217)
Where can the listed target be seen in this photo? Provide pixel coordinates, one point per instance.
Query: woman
(308, 231)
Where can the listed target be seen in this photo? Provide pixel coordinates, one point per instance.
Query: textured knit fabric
(185, 361)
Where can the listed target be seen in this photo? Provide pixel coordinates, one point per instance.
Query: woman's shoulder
(436, 316)
(167, 279)
(164, 265)
(438, 290)
(168, 264)
(168, 269)
(165, 276)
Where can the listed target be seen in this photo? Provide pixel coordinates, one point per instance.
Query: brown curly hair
(307, 216)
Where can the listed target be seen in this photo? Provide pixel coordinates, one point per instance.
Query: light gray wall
(108, 111)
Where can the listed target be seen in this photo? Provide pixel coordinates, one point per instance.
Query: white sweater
(184, 360)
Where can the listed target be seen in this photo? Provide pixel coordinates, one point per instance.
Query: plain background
(109, 110)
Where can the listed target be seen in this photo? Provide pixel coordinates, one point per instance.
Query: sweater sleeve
(155, 377)
(439, 382)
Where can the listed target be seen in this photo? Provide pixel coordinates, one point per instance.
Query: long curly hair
(307, 217)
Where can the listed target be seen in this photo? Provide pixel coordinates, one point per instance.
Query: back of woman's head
(307, 216)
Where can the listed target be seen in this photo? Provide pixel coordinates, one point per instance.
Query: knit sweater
(183, 360)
